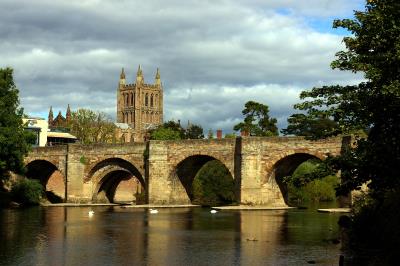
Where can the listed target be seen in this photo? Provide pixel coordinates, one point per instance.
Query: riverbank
(335, 210)
(145, 206)
(246, 207)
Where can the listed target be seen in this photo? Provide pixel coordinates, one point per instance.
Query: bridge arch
(184, 172)
(286, 165)
(114, 177)
(49, 176)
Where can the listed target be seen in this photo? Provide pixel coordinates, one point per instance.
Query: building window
(151, 100)
(132, 100)
(146, 100)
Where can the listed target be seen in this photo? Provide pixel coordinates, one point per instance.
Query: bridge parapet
(255, 163)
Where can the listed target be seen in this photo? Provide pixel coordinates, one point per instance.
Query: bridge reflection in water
(128, 236)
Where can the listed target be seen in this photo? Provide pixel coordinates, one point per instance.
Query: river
(174, 236)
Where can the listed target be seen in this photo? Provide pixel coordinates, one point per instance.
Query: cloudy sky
(213, 55)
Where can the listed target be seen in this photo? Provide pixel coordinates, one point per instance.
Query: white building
(44, 136)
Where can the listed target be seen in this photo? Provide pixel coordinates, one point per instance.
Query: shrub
(301, 190)
(375, 227)
(213, 185)
(27, 191)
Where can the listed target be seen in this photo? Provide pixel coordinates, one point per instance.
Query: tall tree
(310, 126)
(373, 105)
(13, 139)
(162, 133)
(91, 127)
(257, 121)
(194, 131)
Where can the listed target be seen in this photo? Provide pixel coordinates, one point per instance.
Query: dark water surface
(129, 236)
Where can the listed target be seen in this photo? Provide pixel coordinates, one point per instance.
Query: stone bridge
(164, 170)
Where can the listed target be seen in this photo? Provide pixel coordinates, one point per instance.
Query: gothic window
(126, 99)
(132, 117)
(146, 100)
(132, 99)
(151, 100)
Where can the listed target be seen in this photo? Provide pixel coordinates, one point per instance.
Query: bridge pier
(166, 169)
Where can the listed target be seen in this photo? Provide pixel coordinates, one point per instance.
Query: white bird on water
(153, 211)
(213, 211)
(91, 213)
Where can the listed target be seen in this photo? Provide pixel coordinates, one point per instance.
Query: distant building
(58, 132)
(139, 106)
(60, 121)
(39, 127)
(45, 136)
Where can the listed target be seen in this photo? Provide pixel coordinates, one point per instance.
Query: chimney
(219, 134)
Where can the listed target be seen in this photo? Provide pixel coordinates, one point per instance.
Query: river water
(179, 236)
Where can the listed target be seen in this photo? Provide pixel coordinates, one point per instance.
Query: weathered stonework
(165, 169)
(139, 105)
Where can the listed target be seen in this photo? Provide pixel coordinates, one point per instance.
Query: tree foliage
(303, 187)
(194, 131)
(172, 130)
(27, 191)
(311, 127)
(14, 141)
(92, 127)
(257, 121)
(372, 105)
(162, 133)
(213, 185)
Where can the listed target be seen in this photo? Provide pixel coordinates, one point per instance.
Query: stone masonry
(166, 169)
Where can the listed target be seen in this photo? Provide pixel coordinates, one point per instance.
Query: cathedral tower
(140, 105)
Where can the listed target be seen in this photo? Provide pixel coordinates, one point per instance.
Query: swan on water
(91, 213)
(213, 211)
(153, 211)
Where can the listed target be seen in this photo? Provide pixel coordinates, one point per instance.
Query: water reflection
(128, 236)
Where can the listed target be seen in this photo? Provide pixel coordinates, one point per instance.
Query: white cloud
(213, 55)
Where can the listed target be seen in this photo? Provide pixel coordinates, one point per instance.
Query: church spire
(158, 78)
(139, 75)
(50, 118)
(122, 77)
(68, 114)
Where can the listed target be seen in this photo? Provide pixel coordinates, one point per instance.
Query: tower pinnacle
(68, 114)
(158, 78)
(122, 77)
(50, 117)
(139, 75)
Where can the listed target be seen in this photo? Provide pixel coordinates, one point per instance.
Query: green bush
(301, 190)
(27, 191)
(213, 185)
(375, 227)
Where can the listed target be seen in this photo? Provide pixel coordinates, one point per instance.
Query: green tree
(92, 127)
(303, 189)
(230, 136)
(162, 133)
(373, 105)
(257, 121)
(194, 131)
(213, 185)
(27, 191)
(210, 134)
(310, 127)
(14, 141)
(175, 126)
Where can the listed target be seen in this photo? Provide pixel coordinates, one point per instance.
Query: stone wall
(166, 168)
